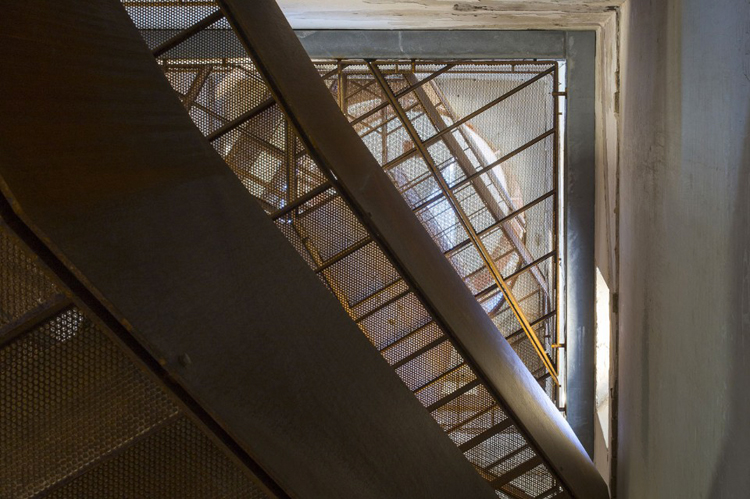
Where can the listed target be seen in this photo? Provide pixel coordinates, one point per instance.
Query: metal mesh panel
(24, 286)
(488, 129)
(176, 460)
(78, 418)
(69, 397)
(321, 225)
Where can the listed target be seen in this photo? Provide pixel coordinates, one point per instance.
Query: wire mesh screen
(472, 149)
(266, 153)
(77, 417)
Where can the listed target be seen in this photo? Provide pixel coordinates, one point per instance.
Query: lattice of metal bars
(231, 104)
(472, 147)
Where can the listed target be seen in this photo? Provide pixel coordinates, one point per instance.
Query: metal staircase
(269, 115)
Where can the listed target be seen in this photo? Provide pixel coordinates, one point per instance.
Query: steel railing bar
(453, 396)
(437, 378)
(188, 33)
(517, 472)
(305, 198)
(405, 337)
(343, 254)
(403, 92)
(419, 352)
(33, 319)
(489, 433)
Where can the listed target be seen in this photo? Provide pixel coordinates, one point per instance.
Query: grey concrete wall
(684, 417)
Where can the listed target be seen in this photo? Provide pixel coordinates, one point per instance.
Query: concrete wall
(684, 233)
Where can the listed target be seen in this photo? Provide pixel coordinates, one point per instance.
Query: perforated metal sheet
(79, 419)
(24, 286)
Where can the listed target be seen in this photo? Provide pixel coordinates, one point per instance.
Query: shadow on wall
(732, 472)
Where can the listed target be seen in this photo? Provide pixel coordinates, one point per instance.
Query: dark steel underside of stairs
(134, 238)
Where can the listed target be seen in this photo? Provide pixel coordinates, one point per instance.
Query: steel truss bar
(277, 152)
(533, 324)
(523, 269)
(453, 396)
(343, 254)
(517, 472)
(428, 142)
(472, 175)
(188, 33)
(550, 493)
(487, 106)
(515, 492)
(503, 220)
(196, 86)
(380, 291)
(383, 305)
(466, 223)
(378, 126)
(476, 416)
(437, 378)
(490, 432)
(505, 158)
(506, 457)
(305, 198)
(420, 351)
(112, 454)
(33, 319)
(475, 148)
(403, 92)
(405, 337)
(243, 118)
(487, 169)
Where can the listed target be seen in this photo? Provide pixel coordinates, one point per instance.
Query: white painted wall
(685, 254)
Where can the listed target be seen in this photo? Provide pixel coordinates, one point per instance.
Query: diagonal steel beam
(335, 146)
(471, 172)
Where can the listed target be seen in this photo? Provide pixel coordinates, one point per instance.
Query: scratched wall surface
(685, 257)
(442, 14)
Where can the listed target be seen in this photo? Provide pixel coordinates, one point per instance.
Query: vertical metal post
(556, 229)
